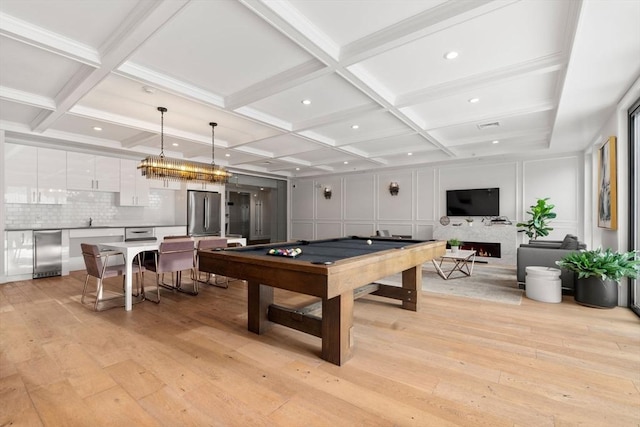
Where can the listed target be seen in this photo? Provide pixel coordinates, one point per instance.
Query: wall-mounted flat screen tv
(476, 202)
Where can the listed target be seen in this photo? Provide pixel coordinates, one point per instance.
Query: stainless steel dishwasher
(47, 245)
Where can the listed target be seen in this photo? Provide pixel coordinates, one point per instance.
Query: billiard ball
(369, 242)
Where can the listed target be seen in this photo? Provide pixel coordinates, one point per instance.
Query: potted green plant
(538, 225)
(599, 272)
(455, 244)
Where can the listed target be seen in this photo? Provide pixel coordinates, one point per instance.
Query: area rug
(488, 283)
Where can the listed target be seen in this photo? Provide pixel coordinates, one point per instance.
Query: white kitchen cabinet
(19, 252)
(201, 186)
(35, 175)
(52, 176)
(134, 188)
(164, 184)
(91, 172)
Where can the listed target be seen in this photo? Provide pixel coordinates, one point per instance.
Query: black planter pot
(595, 292)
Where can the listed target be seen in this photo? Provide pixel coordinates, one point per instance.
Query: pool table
(336, 270)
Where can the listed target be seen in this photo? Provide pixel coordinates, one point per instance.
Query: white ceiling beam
(288, 79)
(547, 64)
(177, 87)
(384, 133)
(27, 98)
(525, 135)
(138, 139)
(343, 115)
(144, 21)
(421, 25)
(33, 35)
(264, 118)
(142, 125)
(493, 116)
(290, 23)
(288, 20)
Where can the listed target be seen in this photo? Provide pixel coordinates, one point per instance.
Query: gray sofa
(545, 253)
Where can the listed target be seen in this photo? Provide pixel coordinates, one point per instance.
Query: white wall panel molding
(302, 230)
(559, 179)
(302, 200)
(360, 197)
(427, 204)
(328, 230)
(399, 207)
(367, 205)
(329, 208)
(359, 229)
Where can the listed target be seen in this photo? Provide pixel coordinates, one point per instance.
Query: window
(634, 196)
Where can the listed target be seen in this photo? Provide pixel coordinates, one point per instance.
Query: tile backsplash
(100, 206)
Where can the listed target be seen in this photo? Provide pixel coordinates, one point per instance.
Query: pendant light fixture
(161, 167)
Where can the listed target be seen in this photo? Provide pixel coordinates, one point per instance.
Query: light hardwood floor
(190, 361)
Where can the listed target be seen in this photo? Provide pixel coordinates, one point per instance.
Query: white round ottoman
(543, 284)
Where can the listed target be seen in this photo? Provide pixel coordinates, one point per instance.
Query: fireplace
(483, 249)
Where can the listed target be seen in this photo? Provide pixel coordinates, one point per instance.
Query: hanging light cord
(213, 127)
(162, 111)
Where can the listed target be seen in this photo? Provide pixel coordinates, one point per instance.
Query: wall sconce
(327, 192)
(394, 188)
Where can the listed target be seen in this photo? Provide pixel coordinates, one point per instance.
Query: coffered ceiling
(544, 74)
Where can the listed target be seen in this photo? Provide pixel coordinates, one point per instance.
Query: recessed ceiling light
(306, 101)
(346, 163)
(97, 128)
(227, 155)
(409, 154)
(495, 141)
(355, 127)
(175, 144)
(297, 169)
(474, 100)
(451, 55)
(148, 89)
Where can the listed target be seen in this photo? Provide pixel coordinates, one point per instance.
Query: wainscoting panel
(397, 229)
(302, 230)
(327, 230)
(557, 179)
(302, 199)
(427, 202)
(329, 208)
(359, 229)
(359, 197)
(397, 207)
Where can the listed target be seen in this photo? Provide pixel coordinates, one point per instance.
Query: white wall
(361, 202)
(617, 125)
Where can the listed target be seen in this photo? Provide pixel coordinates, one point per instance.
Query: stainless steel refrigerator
(203, 213)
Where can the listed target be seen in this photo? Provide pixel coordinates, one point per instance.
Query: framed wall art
(607, 191)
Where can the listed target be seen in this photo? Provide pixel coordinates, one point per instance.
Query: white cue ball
(369, 242)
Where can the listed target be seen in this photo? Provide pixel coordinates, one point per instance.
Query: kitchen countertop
(87, 227)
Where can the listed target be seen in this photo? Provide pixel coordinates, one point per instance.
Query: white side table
(543, 284)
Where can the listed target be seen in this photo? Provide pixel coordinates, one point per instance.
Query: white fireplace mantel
(506, 235)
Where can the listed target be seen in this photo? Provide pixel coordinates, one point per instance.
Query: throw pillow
(570, 242)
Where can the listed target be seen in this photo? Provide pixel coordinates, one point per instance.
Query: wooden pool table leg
(259, 297)
(412, 282)
(337, 325)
